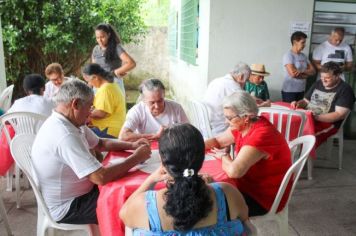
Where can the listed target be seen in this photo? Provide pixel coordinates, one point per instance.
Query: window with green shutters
(189, 31)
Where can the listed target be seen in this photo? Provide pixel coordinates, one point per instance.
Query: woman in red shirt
(262, 154)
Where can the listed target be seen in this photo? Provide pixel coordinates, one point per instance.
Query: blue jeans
(102, 133)
(120, 82)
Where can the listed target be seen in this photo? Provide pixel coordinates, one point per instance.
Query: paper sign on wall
(300, 26)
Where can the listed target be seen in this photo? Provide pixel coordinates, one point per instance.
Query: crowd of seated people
(72, 170)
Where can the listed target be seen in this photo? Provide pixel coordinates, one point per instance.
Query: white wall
(2, 64)
(252, 31)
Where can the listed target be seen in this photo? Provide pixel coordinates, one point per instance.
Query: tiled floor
(323, 206)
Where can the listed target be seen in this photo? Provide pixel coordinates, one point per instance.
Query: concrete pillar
(2, 63)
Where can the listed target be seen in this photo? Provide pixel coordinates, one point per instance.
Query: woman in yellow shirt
(109, 111)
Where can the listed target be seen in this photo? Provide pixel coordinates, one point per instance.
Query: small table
(309, 126)
(113, 195)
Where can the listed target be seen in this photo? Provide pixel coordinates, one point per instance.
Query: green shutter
(189, 31)
(172, 32)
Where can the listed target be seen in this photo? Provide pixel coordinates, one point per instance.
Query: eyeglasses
(230, 118)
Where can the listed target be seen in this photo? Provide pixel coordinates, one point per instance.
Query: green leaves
(38, 32)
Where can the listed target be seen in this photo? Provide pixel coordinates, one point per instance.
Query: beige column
(2, 63)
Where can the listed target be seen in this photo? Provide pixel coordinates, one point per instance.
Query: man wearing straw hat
(256, 85)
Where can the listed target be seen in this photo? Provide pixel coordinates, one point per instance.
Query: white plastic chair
(278, 117)
(200, 118)
(5, 98)
(22, 123)
(286, 115)
(340, 136)
(21, 151)
(4, 217)
(294, 171)
(128, 231)
(279, 106)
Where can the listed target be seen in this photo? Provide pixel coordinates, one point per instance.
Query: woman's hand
(138, 143)
(159, 175)
(220, 153)
(119, 73)
(207, 178)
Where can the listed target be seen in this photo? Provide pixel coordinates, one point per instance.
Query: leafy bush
(38, 32)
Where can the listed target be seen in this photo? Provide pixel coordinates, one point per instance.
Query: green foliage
(155, 12)
(38, 32)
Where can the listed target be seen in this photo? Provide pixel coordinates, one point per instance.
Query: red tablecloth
(113, 195)
(6, 160)
(309, 127)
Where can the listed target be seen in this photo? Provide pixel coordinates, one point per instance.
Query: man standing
(330, 99)
(148, 118)
(220, 88)
(62, 157)
(334, 50)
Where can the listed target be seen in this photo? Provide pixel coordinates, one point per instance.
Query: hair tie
(188, 172)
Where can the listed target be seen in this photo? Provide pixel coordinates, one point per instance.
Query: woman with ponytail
(110, 55)
(188, 205)
(109, 111)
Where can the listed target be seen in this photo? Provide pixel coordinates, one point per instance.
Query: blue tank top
(221, 228)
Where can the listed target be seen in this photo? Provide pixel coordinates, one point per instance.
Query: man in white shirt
(334, 50)
(220, 88)
(148, 118)
(54, 73)
(34, 86)
(62, 157)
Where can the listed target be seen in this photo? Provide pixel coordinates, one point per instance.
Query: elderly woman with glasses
(262, 154)
(109, 108)
(54, 73)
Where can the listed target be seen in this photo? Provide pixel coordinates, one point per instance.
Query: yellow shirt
(110, 99)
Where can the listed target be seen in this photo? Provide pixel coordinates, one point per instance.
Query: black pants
(291, 96)
(83, 209)
(254, 208)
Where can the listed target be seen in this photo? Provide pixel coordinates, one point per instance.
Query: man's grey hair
(73, 89)
(241, 69)
(241, 103)
(151, 85)
(339, 30)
